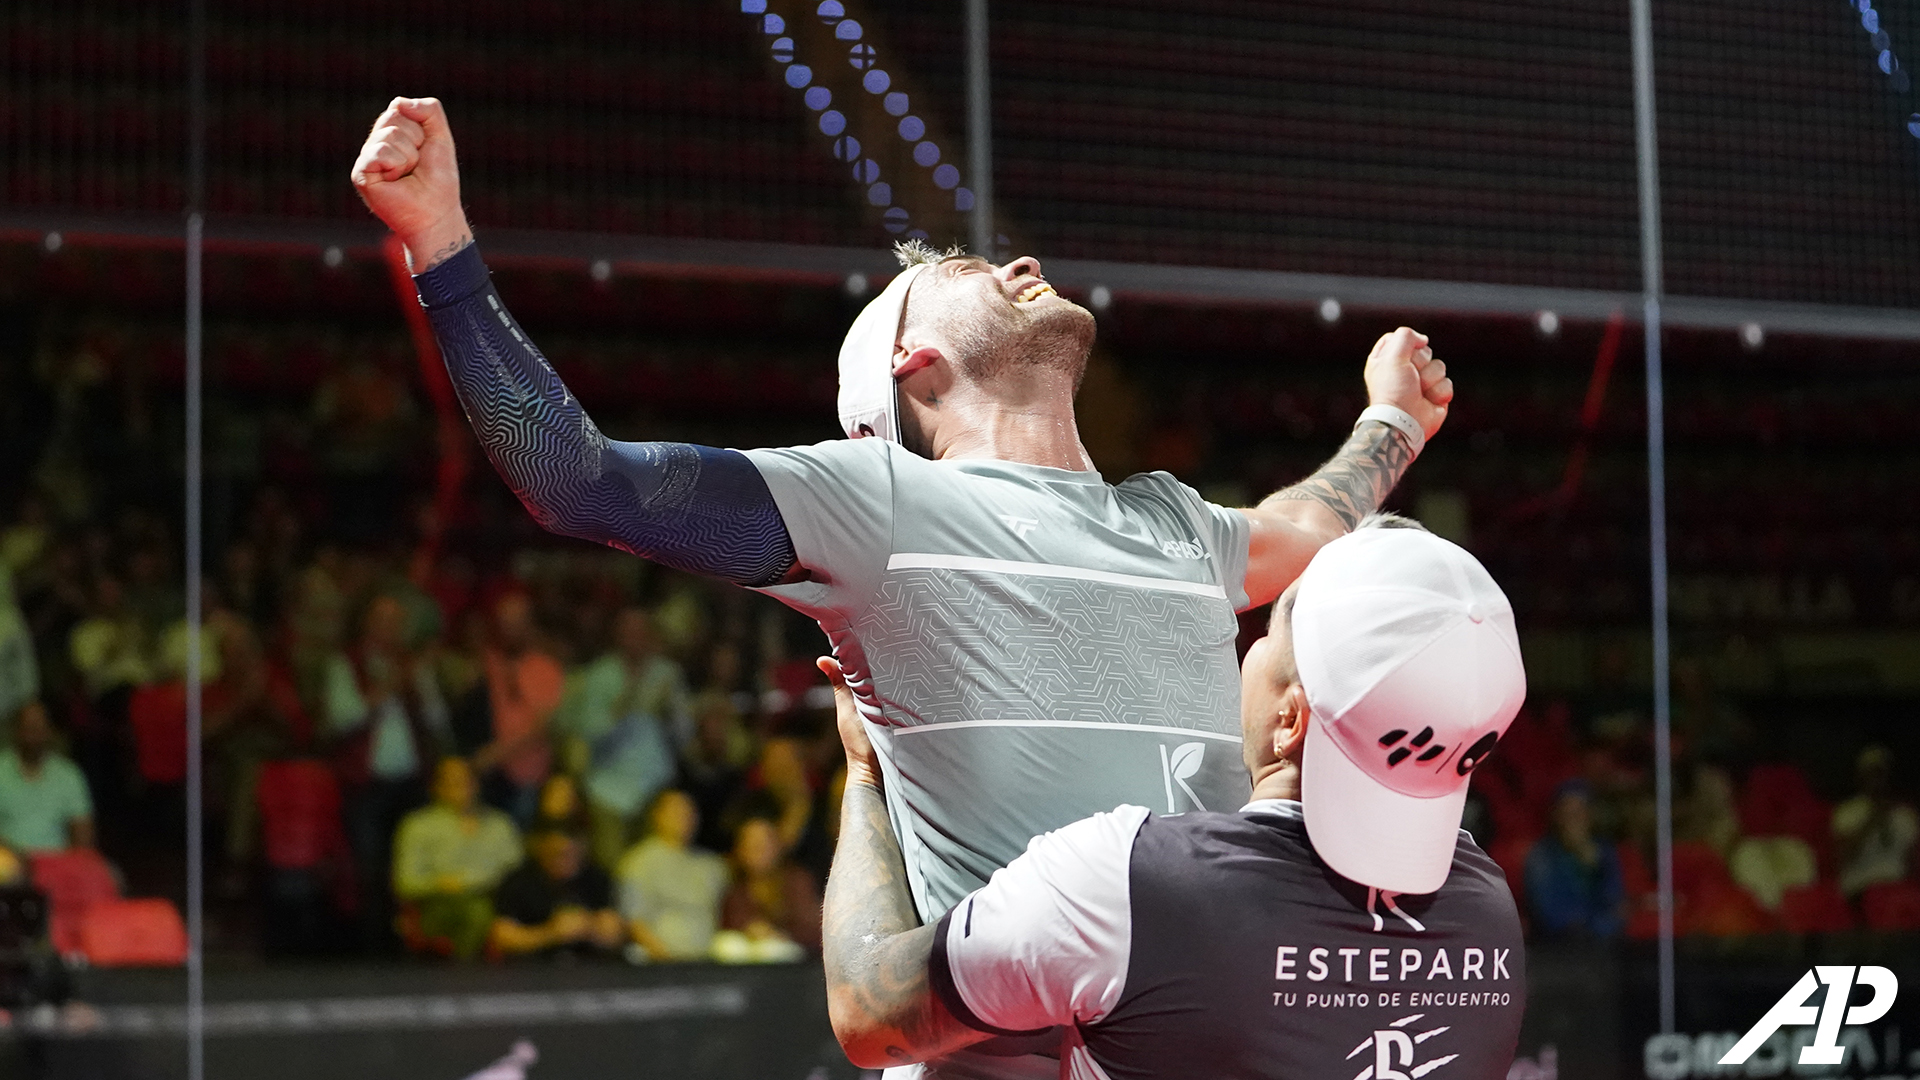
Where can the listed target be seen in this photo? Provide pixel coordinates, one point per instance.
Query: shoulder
(62, 768)
(498, 824)
(832, 455)
(1092, 846)
(415, 821)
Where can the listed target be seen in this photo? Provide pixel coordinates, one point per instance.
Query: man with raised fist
(1028, 643)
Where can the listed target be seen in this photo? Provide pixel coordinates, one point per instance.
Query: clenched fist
(1402, 372)
(406, 174)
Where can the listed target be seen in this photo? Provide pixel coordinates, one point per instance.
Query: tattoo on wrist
(1355, 481)
(451, 249)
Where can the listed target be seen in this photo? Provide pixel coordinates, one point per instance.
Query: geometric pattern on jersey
(694, 508)
(1029, 645)
(957, 645)
(1026, 702)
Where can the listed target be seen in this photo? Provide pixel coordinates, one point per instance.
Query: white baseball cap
(1407, 653)
(868, 401)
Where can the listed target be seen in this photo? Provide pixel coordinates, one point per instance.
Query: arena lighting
(1884, 58)
(1101, 298)
(52, 242)
(1548, 323)
(1752, 335)
(856, 285)
(600, 271)
(332, 257)
(833, 123)
(1330, 311)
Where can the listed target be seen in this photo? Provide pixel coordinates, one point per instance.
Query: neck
(1038, 429)
(1280, 780)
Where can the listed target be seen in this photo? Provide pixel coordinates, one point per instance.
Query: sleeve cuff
(462, 275)
(940, 978)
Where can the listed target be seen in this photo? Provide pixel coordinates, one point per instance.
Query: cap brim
(1369, 833)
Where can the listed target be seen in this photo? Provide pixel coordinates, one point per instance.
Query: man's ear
(906, 362)
(1291, 731)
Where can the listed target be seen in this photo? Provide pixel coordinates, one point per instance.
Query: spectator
(253, 714)
(388, 723)
(110, 648)
(558, 901)
(19, 668)
(1573, 883)
(771, 914)
(669, 890)
(627, 711)
(713, 768)
(524, 687)
(1872, 832)
(447, 860)
(560, 806)
(44, 804)
(1710, 815)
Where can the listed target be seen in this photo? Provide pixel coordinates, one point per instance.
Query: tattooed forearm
(446, 251)
(876, 953)
(1355, 481)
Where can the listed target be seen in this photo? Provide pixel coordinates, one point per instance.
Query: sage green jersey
(1028, 645)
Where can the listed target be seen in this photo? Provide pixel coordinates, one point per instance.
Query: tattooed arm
(1294, 522)
(879, 992)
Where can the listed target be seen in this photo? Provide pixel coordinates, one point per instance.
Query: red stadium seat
(133, 933)
(75, 882)
(1815, 909)
(299, 814)
(1894, 905)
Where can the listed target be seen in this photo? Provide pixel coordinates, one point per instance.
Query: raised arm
(1294, 522)
(879, 992)
(693, 508)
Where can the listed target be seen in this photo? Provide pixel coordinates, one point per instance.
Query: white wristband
(1398, 419)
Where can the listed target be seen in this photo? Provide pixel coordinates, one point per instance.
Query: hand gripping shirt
(1028, 645)
(1220, 946)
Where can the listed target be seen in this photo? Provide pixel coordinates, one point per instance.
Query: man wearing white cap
(1341, 924)
(1028, 642)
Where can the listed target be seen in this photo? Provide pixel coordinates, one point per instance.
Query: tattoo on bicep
(1355, 481)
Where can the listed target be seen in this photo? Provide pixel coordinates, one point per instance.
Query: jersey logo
(1178, 767)
(1182, 549)
(1020, 526)
(1393, 1052)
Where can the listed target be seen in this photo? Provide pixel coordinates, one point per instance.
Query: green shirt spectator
(44, 804)
(669, 891)
(447, 860)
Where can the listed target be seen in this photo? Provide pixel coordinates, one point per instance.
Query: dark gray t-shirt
(1220, 946)
(1028, 645)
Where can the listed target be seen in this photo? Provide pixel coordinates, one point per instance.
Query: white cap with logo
(1407, 653)
(868, 401)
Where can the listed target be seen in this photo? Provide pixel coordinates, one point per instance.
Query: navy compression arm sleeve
(690, 507)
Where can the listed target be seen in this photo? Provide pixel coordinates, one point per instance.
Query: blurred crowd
(1567, 808)
(572, 753)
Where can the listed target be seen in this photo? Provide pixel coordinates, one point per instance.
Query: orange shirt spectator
(524, 688)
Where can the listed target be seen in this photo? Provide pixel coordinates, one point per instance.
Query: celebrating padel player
(1339, 925)
(1029, 642)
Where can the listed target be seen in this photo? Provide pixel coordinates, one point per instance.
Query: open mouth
(1034, 292)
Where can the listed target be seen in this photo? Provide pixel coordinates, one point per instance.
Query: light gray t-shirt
(1028, 645)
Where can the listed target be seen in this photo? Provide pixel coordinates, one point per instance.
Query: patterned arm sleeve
(693, 508)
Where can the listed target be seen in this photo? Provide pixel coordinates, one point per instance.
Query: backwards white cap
(1407, 653)
(868, 403)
